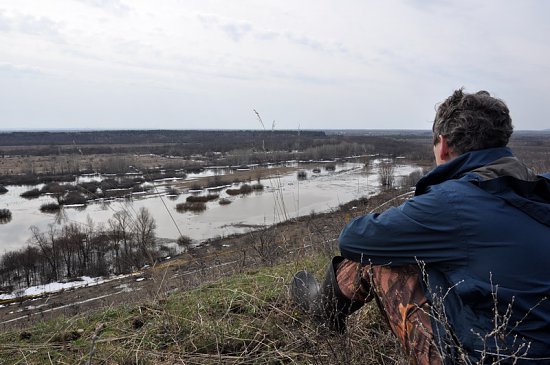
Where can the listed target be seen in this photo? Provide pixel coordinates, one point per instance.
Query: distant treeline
(141, 136)
(177, 142)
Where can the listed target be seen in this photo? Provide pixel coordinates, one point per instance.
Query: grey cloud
(235, 30)
(116, 7)
(307, 78)
(316, 45)
(8, 69)
(29, 24)
(208, 19)
(267, 35)
(304, 41)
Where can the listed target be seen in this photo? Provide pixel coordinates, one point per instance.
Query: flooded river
(283, 197)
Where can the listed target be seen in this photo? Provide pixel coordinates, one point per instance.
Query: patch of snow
(56, 287)
(53, 287)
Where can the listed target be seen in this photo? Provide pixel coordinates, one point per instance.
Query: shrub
(184, 241)
(118, 193)
(193, 207)
(126, 184)
(138, 188)
(5, 214)
(246, 189)
(31, 194)
(88, 187)
(73, 197)
(413, 178)
(196, 187)
(258, 186)
(108, 184)
(52, 188)
(202, 198)
(172, 191)
(3, 189)
(215, 182)
(50, 207)
(69, 187)
(302, 175)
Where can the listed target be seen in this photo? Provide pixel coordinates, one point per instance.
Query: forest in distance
(126, 243)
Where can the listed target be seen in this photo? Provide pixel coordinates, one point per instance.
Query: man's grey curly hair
(473, 122)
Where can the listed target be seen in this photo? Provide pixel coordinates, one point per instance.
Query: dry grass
(247, 318)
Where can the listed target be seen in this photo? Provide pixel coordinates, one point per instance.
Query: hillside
(230, 311)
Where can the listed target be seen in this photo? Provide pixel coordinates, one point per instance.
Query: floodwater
(283, 197)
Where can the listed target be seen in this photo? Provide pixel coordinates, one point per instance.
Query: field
(225, 300)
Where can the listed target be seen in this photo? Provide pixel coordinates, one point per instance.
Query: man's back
(480, 250)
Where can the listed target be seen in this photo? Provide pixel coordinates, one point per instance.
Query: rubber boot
(325, 301)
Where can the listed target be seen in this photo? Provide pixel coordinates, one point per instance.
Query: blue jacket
(481, 225)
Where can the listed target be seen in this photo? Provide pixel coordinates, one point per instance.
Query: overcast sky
(303, 64)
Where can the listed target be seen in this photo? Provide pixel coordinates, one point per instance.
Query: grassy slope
(245, 318)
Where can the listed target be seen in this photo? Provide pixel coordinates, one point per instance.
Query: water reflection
(4, 220)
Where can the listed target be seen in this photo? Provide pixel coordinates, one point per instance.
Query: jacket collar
(461, 165)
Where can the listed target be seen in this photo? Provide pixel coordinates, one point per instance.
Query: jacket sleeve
(425, 228)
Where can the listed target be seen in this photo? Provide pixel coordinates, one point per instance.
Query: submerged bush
(233, 191)
(74, 197)
(50, 207)
(31, 194)
(88, 187)
(202, 198)
(172, 191)
(246, 189)
(5, 214)
(258, 186)
(193, 207)
(108, 184)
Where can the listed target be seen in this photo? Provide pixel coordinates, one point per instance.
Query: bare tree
(48, 245)
(120, 235)
(144, 233)
(386, 171)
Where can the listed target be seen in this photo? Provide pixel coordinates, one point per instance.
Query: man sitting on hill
(461, 270)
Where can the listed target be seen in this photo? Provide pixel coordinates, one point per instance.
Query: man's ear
(446, 153)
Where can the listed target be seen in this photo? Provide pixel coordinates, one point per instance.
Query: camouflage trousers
(400, 296)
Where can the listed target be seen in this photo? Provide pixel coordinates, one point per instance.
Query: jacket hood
(499, 173)
(461, 165)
